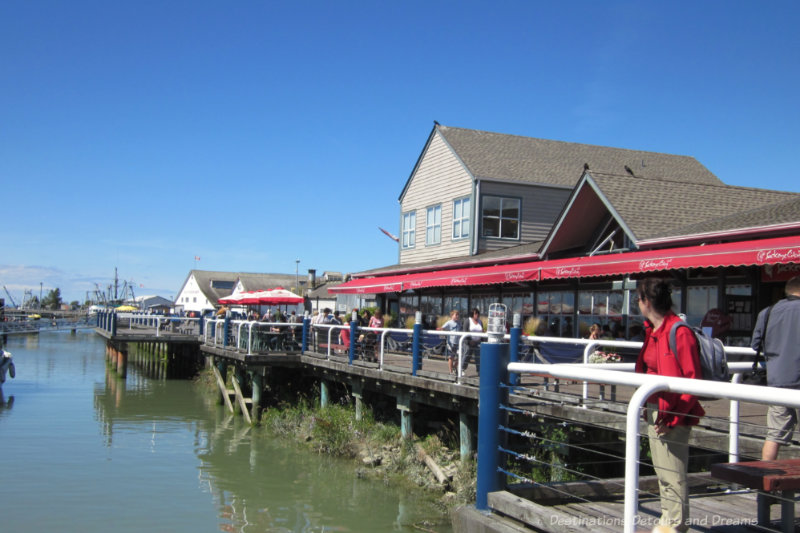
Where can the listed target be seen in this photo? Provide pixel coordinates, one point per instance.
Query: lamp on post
(296, 275)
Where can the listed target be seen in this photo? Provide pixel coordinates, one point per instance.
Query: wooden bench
(767, 477)
(334, 347)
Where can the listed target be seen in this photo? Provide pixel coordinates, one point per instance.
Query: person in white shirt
(452, 340)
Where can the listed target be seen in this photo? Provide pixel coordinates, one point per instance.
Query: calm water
(83, 451)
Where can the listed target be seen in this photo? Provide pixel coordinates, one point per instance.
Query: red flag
(395, 239)
(197, 258)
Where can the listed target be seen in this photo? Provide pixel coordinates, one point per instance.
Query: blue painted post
(494, 372)
(353, 340)
(306, 328)
(515, 337)
(113, 324)
(415, 343)
(202, 323)
(226, 330)
(213, 331)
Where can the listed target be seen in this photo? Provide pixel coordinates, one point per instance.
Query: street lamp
(40, 295)
(297, 275)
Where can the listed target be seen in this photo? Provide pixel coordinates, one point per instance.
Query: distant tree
(32, 302)
(74, 304)
(52, 300)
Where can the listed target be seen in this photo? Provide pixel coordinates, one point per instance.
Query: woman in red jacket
(669, 415)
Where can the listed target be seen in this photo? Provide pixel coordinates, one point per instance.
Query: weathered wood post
(241, 377)
(406, 420)
(222, 367)
(258, 387)
(466, 427)
(358, 394)
(323, 394)
(122, 362)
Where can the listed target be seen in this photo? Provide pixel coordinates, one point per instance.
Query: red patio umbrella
(243, 298)
(279, 296)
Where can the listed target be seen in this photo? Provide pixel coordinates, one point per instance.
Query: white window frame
(409, 236)
(462, 221)
(433, 225)
(500, 218)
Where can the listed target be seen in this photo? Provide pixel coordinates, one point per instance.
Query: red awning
(757, 252)
(487, 275)
(779, 250)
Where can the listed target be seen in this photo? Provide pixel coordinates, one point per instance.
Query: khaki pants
(670, 454)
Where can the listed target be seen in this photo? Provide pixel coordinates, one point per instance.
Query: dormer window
(500, 217)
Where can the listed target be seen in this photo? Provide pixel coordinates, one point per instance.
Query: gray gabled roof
(514, 158)
(772, 217)
(204, 278)
(654, 209)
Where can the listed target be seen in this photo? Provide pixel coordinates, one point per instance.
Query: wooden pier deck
(719, 512)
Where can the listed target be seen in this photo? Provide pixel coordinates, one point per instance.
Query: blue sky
(139, 135)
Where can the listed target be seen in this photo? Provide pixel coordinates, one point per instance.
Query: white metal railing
(144, 320)
(646, 385)
(382, 333)
(237, 326)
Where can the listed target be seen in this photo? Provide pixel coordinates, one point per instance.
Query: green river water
(82, 451)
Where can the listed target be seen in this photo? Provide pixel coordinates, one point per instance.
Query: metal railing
(493, 384)
(161, 323)
(252, 335)
(43, 324)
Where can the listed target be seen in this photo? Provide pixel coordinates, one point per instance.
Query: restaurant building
(559, 232)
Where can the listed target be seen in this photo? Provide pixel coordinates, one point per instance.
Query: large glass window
(737, 323)
(518, 304)
(408, 306)
(459, 302)
(433, 225)
(431, 307)
(461, 218)
(409, 229)
(500, 217)
(555, 309)
(603, 308)
(698, 302)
